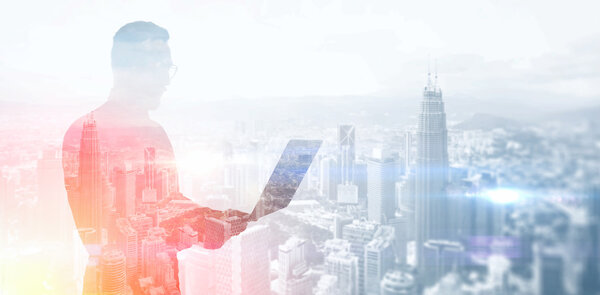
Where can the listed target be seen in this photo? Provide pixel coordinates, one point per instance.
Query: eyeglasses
(172, 71)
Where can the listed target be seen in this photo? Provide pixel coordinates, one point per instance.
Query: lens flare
(503, 196)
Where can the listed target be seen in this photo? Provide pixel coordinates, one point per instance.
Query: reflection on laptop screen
(286, 177)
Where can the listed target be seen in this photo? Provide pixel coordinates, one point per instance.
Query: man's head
(141, 62)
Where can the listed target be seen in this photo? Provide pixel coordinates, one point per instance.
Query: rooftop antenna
(428, 70)
(435, 72)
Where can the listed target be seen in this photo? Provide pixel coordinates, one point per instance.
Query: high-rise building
(219, 230)
(241, 266)
(165, 274)
(405, 189)
(127, 239)
(379, 257)
(359, 234)
(113, 273)
(187, 237)
(347, 194)
(360, 180)
(441, 256)
(549, 270)
(149, 166)
(125, 192)
(339, 220)
(151, 246)
(344, 265)
(402, 233)
(293, 277)
(149, 193)
(397, 282)
(89, 199)
(327, 285)
(381, 186)
(251, 261)
(141, 224)
(162, 184)
(431, 169)
(197, 270)
(346, 153)
(329, 178)
(408, 150)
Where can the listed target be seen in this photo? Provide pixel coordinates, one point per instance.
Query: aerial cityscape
(432, 210)
(295, 147)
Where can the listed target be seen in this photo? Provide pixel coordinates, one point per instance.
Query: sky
(516, 51)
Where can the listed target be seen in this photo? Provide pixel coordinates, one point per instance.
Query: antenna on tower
(435, 81)
(428, 70)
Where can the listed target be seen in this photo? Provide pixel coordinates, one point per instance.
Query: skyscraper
(550, 271)
(125, 192)
(346, 153)
(149, 194)
(347, 194)
(128, 242)
(293, 277)
(407, 150)
(151, 246)
(89, 214)
(359, 234)
(380, 187)
(441, 257)
(113, 273)
(241, 266)
(141, 224)
(339, 220)
(329, 178)
(149, 166)
(402, 233)
(379, 257)
(344, 265)
(431, 168)
(360, 180)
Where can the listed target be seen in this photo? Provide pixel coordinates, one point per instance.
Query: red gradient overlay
(122, 187)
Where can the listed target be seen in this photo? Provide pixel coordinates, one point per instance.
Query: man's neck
(128, 103)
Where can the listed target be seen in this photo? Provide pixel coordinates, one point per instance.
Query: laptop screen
(286, 177)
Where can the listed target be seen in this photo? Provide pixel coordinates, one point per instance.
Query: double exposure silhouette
(122, 181)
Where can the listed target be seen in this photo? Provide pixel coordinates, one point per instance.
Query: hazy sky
(534, 51)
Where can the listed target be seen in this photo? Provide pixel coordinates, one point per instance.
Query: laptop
(286, 177)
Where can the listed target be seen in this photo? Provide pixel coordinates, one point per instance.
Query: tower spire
(436, 74)
(428, 70)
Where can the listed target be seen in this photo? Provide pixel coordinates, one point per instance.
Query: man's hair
(134, 46)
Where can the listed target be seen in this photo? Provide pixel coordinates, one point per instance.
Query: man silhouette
(122, 181)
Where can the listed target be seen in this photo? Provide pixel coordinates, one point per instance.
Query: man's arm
(277, 194)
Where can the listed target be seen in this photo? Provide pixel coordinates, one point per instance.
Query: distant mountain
(590, 114)
(361, 110)
(486, 122)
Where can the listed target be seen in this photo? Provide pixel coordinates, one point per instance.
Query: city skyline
(304, 147)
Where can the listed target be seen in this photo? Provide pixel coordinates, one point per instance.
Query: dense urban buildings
(419, 208)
